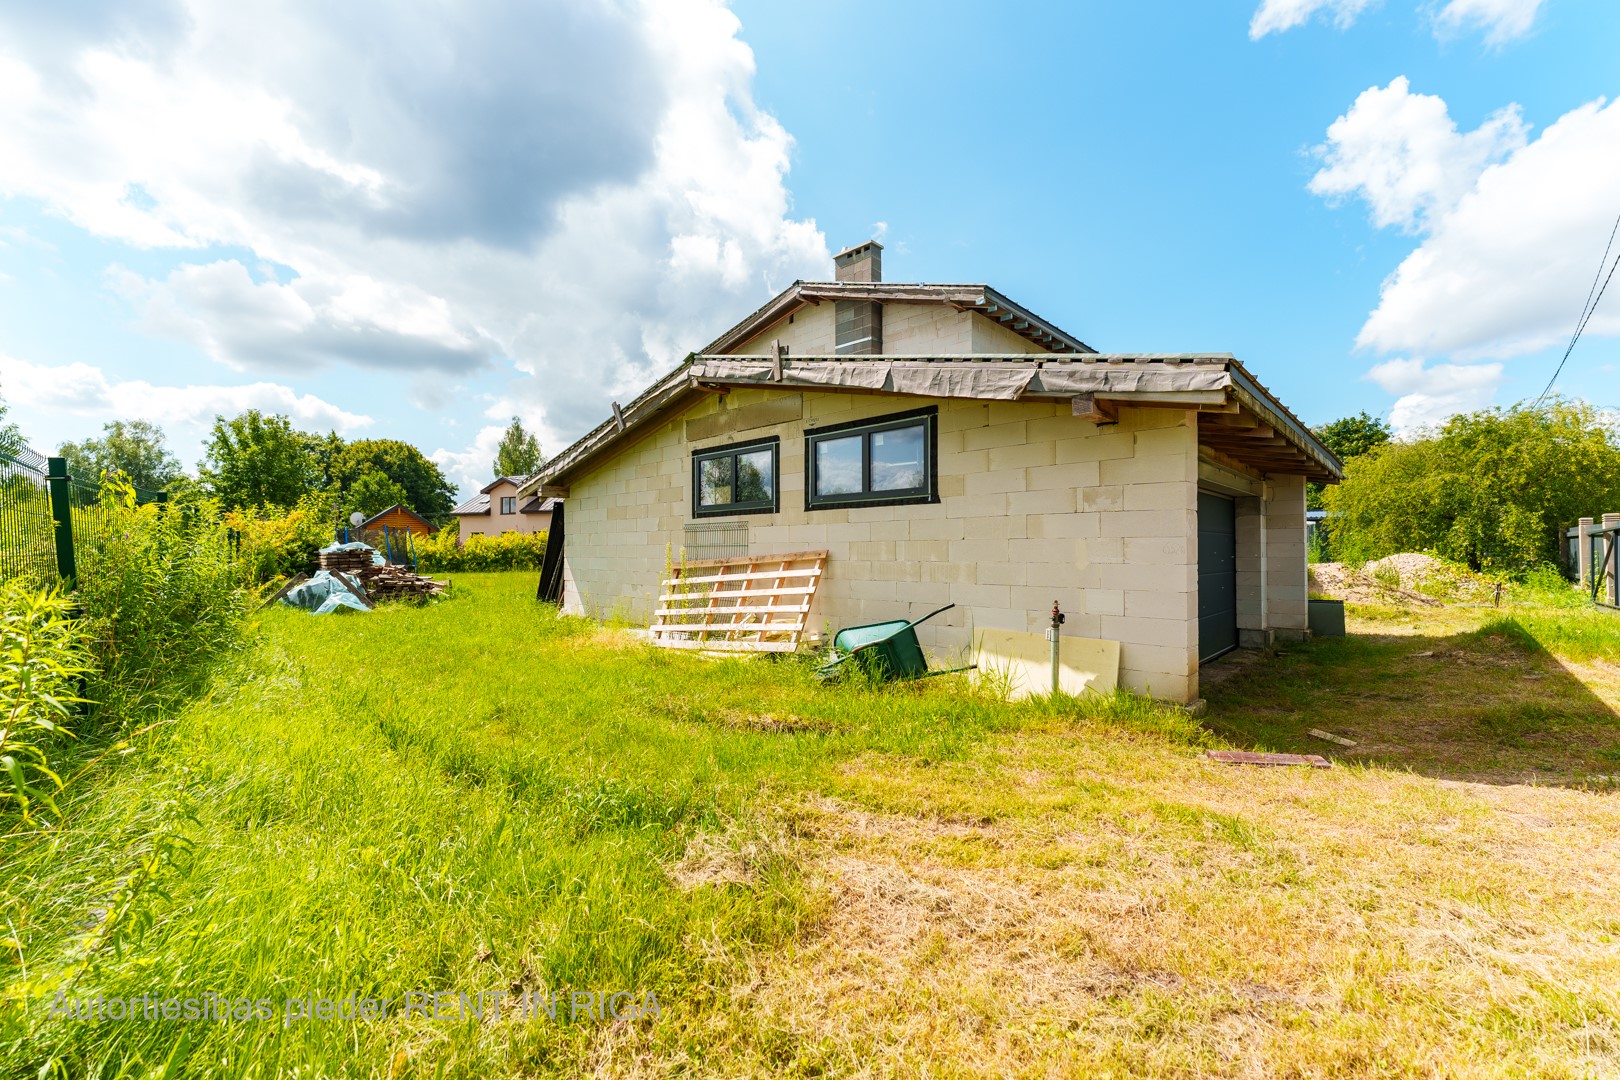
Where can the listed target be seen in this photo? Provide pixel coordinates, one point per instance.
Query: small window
(887, 460)
(735, 479)
(508, 504)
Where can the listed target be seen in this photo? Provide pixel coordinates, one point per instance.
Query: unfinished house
(940, 444)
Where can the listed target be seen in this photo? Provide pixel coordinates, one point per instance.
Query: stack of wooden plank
(747, 603)
(398, 583)
(350, 562)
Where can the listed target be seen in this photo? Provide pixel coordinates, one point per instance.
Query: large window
(887, 460)
(508, 504)
(734, 479)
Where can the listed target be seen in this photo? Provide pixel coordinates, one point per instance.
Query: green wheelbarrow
(884, 650)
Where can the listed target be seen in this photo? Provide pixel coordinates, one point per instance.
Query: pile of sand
(1339, 582)
(1411, 567)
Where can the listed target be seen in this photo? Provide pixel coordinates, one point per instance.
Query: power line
(1588, 308)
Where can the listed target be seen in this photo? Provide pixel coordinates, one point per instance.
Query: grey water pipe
(1057, 620)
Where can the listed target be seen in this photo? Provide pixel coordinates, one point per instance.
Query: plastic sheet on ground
(344, 599)
(323, 594)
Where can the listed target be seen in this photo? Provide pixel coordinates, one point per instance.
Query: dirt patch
(733, 857)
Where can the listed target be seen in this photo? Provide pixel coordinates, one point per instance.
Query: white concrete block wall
(1285, 559)
(1013, 530)
(811, 332)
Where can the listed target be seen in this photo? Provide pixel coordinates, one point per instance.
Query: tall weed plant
(162, 601)
(444, 553)
(276, 543)
(42, 660)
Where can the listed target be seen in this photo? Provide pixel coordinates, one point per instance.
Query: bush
(162, 600)
(42, 660)
(508, 551)
(276, 543)
(1487, 489)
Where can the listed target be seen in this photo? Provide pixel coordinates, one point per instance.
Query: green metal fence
(48, 517)
(27, 535)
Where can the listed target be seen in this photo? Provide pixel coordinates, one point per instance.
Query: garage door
(1217, 576)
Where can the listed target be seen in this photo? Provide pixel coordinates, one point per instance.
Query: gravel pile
(1339, 582)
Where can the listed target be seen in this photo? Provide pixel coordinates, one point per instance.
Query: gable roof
(515, 481)
(1205, 381)
(980, 298)
(478, 504)
(402, 508)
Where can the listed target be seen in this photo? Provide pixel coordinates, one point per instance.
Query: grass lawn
(479, 796)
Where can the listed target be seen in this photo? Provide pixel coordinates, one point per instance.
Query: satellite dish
(356, 518)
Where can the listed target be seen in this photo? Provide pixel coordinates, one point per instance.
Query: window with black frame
(508, 504)
(889, 459)
(735, 479)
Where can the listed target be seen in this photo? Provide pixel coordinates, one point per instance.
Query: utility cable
(1588, 308)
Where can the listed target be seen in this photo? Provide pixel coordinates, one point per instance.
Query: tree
(257, 460)
(136, 448)
(1490, 489)
(324, 449)
(426, 489)
(1348, 437)
(518, 453)
(373, 492)
(11, 439)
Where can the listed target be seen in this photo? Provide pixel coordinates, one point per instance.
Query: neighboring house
(498, 508)
(945, 445)
(399, 517)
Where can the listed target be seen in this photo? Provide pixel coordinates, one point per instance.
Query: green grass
(473, 796)
(842, 880)
(1475, 693)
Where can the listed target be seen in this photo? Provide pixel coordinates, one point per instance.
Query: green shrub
(276, 543)
(42, 659)
(1488, 489)
(162, 599)
(508, 551)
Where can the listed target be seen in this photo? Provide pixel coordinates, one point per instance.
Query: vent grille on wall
(714, 540)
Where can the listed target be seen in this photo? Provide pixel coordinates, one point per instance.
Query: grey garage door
(1217, 576)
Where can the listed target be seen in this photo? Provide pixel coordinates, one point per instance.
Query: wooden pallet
(745, 603)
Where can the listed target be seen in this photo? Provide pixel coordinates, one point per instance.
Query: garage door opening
(1217, 576)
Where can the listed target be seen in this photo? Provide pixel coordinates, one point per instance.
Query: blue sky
(532, 208)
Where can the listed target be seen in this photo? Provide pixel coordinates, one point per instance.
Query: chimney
(858, 324)
(863, 262)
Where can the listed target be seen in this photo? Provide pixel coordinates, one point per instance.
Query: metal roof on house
(1238, 417)
(539, 505)
(478, 504)
(517, 481)
(980, 298)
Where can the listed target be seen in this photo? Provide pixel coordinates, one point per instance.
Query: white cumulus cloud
(1427, 395)
(1510, 227)
(474, 466)
(582, 189)
(1275, 16)
(1402, 153)
(1503, 270)
(1501, 20)
(184, 412)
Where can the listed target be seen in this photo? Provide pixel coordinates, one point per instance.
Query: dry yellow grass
(1098, 903)
(1092, 905)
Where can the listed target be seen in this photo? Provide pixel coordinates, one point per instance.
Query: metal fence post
(56, 475)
